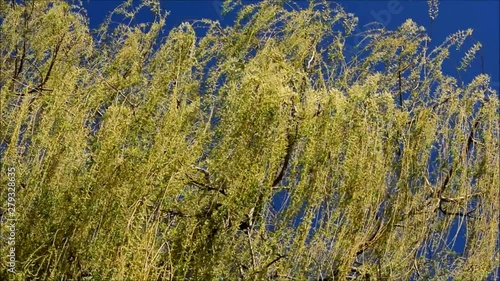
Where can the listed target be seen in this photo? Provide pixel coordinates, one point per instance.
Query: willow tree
(264, 150)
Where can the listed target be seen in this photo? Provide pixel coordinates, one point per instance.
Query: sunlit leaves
(263, 150)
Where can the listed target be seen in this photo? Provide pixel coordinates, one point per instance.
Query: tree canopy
(263, 150)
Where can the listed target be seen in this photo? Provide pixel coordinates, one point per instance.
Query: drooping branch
(470, 139)
(460, 214)
(400, 90)
(377, 234)
(51, 66)
(468, 147)
(19, 69)
(289, 149)
(291, 138)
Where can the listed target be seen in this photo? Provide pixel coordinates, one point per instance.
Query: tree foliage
(264, 150)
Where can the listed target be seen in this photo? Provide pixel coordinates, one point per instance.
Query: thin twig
(205, 186)
(459, 199)
(204, 171)
(251, 250)
(274, 261)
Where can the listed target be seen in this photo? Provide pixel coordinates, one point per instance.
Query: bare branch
(459, 199)
(52, 63)
(288, 156)
(205, 186)
(251, 250)
(460, 214)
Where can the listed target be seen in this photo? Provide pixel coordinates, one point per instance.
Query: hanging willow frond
(469, 56)
(433, 8)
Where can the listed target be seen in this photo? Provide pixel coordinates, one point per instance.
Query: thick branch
(51, 66)
(460, 214)
(21, 63)
(289, 149)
